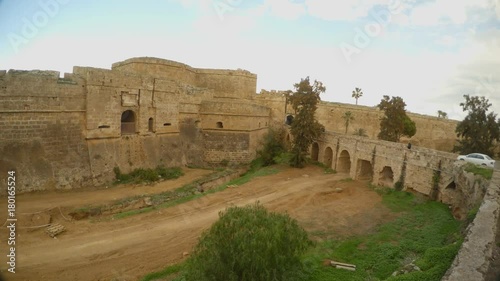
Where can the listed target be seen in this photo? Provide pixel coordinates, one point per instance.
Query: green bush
(249, 243)
(486, 173)
(272, 147)
(398, 185)
(147, 175)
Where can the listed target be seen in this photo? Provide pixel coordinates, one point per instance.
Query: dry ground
(129, 248)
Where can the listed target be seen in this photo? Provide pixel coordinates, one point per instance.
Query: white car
(478, 159)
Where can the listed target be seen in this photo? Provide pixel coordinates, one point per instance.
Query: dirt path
(129, 248)
(34, 202)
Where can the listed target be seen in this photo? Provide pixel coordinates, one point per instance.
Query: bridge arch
(344, 162)
(315, 151)
(328, 157)
(364, 170)
(386, 176)
(452, 185)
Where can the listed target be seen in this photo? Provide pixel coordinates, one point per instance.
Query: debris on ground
(340, 265)
(55, 229)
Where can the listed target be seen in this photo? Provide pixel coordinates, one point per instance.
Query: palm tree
(348, 117)
(357, 93)
(360, 132)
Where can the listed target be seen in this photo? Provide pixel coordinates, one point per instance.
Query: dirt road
(127, 249)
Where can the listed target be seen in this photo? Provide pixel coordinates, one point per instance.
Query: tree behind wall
(348, 117)
(442, 114)
(305, 128)
(357, 93)
(479, 130)
(395, 122)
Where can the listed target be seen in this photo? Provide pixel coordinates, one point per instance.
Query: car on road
(478, 159)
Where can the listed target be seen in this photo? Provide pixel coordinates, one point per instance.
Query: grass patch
(167, 271)
(283, 158)
(424, 233)
(486, 173)
(188, 192)
(147, 175)
(346, 180)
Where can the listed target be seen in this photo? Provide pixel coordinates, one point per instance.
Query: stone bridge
(426, 171)
(435, 174)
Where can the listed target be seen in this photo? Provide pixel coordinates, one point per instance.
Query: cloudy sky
(429, 52)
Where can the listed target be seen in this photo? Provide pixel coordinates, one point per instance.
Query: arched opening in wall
(289, 120)
(386, 176)
(219, 125)
(452, 186)
(150, 124)
(365, 170)
(128, 122)
(314, 151)
(344, 162)
(327, 159)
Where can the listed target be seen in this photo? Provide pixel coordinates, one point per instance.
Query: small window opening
(150, 124)
(167, 124)
(219, 125)
(103, 127)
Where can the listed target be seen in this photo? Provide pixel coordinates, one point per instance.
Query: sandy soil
(129, 248)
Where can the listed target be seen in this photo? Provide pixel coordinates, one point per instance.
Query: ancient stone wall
(146, 112)
(432, 132)
(476, 254)
(225, 83)
(73, 131)
(41, 120)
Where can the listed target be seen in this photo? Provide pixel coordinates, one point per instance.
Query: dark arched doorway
(128, 122)
(344, 162)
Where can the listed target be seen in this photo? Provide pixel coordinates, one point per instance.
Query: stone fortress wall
(432, 132)
(63, 133)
